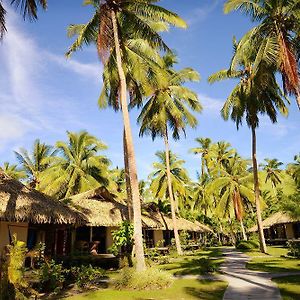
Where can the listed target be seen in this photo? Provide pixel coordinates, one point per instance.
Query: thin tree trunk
(263, 247)
(298, 98)
(202, 168)
(136, 203)
(172, 201)
(127, 180)
(243, 230)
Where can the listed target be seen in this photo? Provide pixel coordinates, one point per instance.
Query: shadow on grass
(275, 265)
(289, 287)
(193, 266)
(209, 293)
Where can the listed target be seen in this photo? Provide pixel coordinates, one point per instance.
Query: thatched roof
(18, 203)
(101, 208)
(277, 218)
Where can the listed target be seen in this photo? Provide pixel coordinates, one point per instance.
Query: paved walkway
(245, 284)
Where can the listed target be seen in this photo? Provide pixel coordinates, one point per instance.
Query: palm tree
(276, 34)
(106, 28)
(294, 169)
(168, 181)
(168, 108)
(78, 168)
(13, 171)
(36, 162)
(256, 94)
(271, 167)
(219, 154)
(232, 188)
(203, 149)
(28, 8)
(202, 200)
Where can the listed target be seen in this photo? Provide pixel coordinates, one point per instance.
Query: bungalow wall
(8, 229)
(289, 231)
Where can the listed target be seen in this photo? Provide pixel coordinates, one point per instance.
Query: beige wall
(289, 231)
(157, 236)
(6, 229)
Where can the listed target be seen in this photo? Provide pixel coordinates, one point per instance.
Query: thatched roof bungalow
(280, 226)
(22, 208)
(104, 213)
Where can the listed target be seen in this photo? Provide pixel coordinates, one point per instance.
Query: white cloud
(210, 104)
(201, 13)
(87, 70)
(27, 102)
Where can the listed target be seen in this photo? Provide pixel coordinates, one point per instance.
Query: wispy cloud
(201, 13)
(28, 103)
(211, 105)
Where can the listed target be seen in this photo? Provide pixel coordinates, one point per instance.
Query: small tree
(123, 241)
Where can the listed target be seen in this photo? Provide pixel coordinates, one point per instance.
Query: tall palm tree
(36, 162)
(28, 8)
(168, 181)
(201, 198)
(232, 188)
(78, 168)
(273, 173)
(13, 171)
(110, 20)
(277, 34)
(256, 94)
(219, 154)
(294, 169)
(169, 108)
(203, 149)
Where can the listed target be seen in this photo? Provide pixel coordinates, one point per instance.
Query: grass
(199, 263)
(274, 262)
(289, 287)
(182, 289)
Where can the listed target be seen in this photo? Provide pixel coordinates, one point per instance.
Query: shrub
(208, 265)
(86, 276)
(294, 249)
(246, 245)
(150, 279)
(51, 276)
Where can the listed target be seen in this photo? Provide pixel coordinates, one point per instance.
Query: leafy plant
(151, 279)
(123, 241)
(51, 276)
(294, 249)
(86, 276)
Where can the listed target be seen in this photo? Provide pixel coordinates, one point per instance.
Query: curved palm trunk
(243, 230)
(298, 98)
(137, 219)
(202, 167)
(127, 180)
(172, 201)
(263, 247)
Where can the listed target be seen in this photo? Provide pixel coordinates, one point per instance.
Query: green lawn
(182, 289)
(199, 263)
(273, 262)
(289, 287)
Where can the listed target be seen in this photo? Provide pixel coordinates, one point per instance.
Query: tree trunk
(172, 201)
(202, 167)
(243, 230)
(127, 180)
(263, 247)
(298, 98)
(136, 203)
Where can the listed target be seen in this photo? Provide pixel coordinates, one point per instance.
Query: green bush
(294, 249)
(86, 276)
(246, 245)
(150, 279)
(208, 265)
(51, 276)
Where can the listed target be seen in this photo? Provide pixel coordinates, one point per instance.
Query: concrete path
(245, 284)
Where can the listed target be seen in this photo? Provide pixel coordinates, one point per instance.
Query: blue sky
(42, 94)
